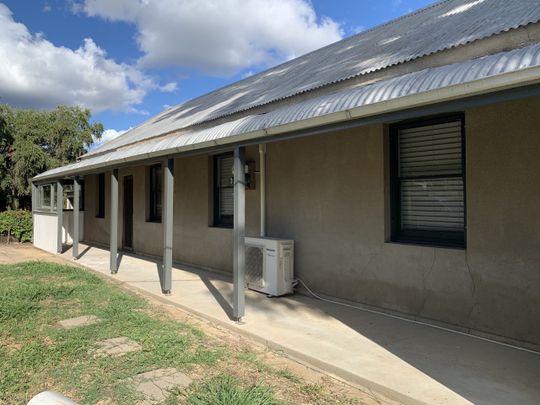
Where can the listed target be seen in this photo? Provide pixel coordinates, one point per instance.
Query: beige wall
(96, 229)
(328, 194)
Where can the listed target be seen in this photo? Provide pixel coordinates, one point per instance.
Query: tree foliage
(16, 223)
(33, 141)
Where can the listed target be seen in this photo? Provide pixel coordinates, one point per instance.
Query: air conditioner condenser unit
(270, 265)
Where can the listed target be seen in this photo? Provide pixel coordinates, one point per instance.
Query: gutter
(486, 85)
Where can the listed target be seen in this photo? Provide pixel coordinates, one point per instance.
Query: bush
(17, 223)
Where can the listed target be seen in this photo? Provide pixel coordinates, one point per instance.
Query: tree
(41, 140)
(6, 151)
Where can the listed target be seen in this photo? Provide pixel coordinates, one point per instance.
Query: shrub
(17, 223)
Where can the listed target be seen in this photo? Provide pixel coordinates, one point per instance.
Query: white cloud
(357, 29)
(220, 37)
(168, 88)
(36, 73)
(108, 135)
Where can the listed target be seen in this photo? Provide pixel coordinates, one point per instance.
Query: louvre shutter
(226, 195)
(431, 178)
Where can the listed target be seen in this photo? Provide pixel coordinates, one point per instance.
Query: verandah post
(60, 215)
(114, 222)
(239, 248)
(75, 236)
(168, 210)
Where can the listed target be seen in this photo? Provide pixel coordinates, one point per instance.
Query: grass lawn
(37, 355)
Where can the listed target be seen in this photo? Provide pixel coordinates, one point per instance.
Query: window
(69, 195)
(156, 180)
(428, 193)
(45, 197)
(101, 196)
(223, 190)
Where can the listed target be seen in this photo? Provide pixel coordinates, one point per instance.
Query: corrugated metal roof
(444, 25)
(362, 96)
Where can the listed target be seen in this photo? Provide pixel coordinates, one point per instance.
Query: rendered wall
(96, 229)
(67, 226)
(195, 240)
(329, 193)
(45, 226)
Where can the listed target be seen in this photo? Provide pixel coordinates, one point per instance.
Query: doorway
(128, 213)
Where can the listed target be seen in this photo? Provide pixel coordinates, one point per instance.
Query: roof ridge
(403, 17)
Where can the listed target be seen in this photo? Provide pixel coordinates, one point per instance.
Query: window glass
(45, 196)
(429, 203)
(223, 190)
(156, 186)
(101, 196)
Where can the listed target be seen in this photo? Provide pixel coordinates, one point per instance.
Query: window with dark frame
(156, 195)
(223, 190)
(428, 182)
(101, 196)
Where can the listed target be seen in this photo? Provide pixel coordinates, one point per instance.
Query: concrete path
(402, 360)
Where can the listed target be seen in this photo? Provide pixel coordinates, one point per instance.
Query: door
(128, 212)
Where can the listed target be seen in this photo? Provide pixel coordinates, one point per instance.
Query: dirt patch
(23, 252)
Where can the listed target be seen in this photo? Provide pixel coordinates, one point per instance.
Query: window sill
(44, 212)
(221, 226)
(153, 221)
(437, 245)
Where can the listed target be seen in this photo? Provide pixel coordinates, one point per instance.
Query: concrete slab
(155, 385)
(407, 362)
(79, 321)
(116, 347)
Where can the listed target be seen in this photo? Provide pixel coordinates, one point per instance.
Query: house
(404, 162)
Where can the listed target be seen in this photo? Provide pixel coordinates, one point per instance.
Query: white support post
(113, 246)
(239, 252)
(168, 209)
(75, 236)
(60, 215)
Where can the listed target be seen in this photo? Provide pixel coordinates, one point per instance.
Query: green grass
(226, 390)
(35, 355)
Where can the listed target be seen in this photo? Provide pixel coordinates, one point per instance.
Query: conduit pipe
(262, 187)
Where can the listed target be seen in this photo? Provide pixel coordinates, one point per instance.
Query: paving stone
(84, 320)
(155, 385)
(116, 347)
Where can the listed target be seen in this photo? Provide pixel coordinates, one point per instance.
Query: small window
(45, 197)
(101, 196)
(428, 193)
(69, 196)
(156, 195)
(223, 190)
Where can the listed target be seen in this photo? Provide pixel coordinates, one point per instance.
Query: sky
(128, 60)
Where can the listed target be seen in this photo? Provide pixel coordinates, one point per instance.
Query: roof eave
(491, 84)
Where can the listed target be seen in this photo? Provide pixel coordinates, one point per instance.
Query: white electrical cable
(373, 311)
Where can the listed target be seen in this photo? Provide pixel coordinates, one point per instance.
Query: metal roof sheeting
(444, 25)
(367, 95)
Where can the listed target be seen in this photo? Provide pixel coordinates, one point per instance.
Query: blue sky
(129, 59)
